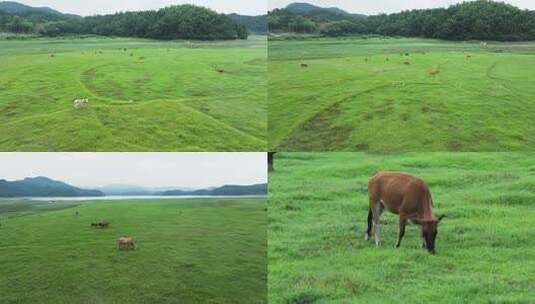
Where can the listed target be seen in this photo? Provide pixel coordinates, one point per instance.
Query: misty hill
(255, 24)
(19, 8)
(308, 9)
(119, 189)
(42, 187)
(126, 190)
(227, 190)
(307, 18)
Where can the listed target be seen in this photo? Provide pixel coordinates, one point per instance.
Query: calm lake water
(132, 197)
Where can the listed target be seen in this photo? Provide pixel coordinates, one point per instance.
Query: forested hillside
(476, 20)
(44, 187)
(173, 22)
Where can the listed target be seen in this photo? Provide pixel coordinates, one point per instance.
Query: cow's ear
(441, 217)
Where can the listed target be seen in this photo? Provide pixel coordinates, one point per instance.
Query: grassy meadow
(189, 251)
(400, 94)
(318, 207)
(143, 95)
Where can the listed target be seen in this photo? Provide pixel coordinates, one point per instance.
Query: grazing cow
(101, 224)
(126, 242)
(407, 196)
(81, 103)
(304, 65)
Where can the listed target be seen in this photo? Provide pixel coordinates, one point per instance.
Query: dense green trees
(174, 22)
(476, 20)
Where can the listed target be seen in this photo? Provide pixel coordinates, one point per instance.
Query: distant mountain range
(46, 187)
(258, 189)
(255, 24)
(42, 187)
(119, 189)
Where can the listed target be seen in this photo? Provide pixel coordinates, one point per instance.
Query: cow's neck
(426, 213)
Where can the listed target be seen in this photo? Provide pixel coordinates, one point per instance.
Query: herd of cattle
(122, 242)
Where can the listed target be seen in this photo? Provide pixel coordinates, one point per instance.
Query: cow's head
(429, 233)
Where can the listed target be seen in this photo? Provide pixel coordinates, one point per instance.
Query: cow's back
(392, 189)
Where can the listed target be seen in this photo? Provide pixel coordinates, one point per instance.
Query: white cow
(81, 103)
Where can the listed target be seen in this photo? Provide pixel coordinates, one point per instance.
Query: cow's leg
(422, 237)
(369, 229)
(378, 208)
(423, 242)
(401, 230)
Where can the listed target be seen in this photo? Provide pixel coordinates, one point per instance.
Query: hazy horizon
(152, 170)
(101, 7)
(388, 6)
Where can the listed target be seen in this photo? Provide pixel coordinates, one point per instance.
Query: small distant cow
(101, 224)
(81, 103)
(126, 243)
(304, 65)
(407, 196)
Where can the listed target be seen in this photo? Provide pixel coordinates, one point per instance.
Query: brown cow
(407, 196)
(126, 242)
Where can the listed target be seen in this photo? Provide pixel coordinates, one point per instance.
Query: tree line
(477, 20)
(174, 22)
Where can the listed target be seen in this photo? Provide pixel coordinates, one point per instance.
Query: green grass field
(400, 94)
(143, 95)
(318, 207)
(189, 251)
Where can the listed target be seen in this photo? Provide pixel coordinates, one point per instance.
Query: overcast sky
(189, 170)
(93, 7)
(372, 7)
